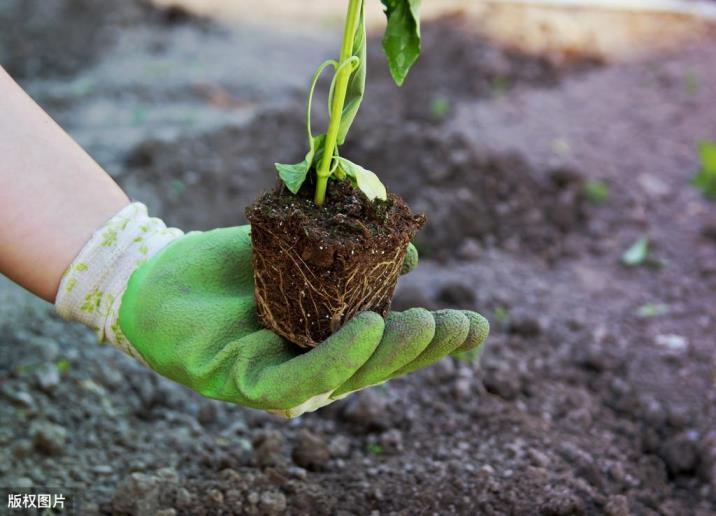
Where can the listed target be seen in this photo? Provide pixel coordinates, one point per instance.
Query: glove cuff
(92, 287)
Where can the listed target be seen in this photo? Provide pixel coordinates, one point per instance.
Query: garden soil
(596, 391)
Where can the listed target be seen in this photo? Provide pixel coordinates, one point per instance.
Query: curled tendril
(309, 102)
(353, 62)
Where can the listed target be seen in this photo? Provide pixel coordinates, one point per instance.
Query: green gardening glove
(189, 313)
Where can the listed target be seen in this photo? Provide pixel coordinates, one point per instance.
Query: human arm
(53, 195)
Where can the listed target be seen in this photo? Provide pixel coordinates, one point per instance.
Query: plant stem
(339, 98)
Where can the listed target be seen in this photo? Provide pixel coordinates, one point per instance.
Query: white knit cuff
(91, 289)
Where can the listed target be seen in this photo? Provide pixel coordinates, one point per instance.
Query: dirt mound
(472, 195)
(456, 64)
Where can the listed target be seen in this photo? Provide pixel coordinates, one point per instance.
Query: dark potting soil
(316, 267)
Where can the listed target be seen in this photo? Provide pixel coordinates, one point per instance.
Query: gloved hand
(184, 306)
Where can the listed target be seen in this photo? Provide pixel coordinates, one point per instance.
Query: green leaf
(440, 107)
(293, 176)
(652, 310)
(402, 36)
(705, 179)
(356, 84)
(63, 365)
(596, 191)
(364, 179)
(637, 253)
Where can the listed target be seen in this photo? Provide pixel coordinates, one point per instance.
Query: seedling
(596, 191)
(502, 314)
(650, 310)
(63, 365)
(374, 449)
(705, 179)
(440, 107)
(402, 47)
(330, 242)
(637, 253)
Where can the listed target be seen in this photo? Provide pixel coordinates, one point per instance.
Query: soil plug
(330, 241)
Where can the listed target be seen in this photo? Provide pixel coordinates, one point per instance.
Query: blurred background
(552, 144)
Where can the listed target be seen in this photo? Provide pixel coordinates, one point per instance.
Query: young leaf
(596, 191)
(705, 180)
(402, 36)
(293, 176)
(637, 253)
(364, 179)
(652, 310)
(356, 85)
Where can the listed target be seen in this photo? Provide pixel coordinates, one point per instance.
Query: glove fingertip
(411, 259)
(479, 330)
(452, 322)
(411, 322)
(364, 330)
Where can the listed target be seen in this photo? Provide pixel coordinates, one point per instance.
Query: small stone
(501, 379)
(680, 453)
(23, 482)
(367, 409)
(48, 438)
(617, 505)
(183, 498)
(522, 322)
(267, 447)
(392, 441)
(21, 398)
(311, 451)
(673, 343)
(168, 475)
(167, 512)
(136, 494)
(215, 497)
(340, 446)
(45, 347)
(462, 389)
(297, 473)
(208, 412)
(253, 498)
(272, 502)
(539, 458)
(22, 448)
(47, 376)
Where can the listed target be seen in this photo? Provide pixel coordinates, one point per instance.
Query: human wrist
(92, 287)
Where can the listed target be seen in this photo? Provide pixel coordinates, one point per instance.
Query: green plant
(596, 191)
(63, 365)
(649, 310)
(440, 107)
(401, 44)
(374, 449)
(705, 179)
(637, 253)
